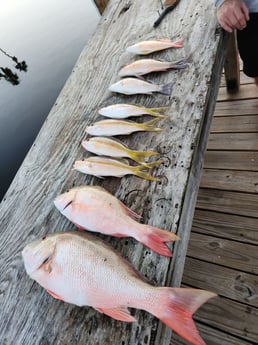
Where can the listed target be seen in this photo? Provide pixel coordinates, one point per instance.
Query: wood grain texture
(233, 160)
(231, 180)
(244, 79)
(233, 141)
(235, 124)
(247, 91)
(224, 252)
(243, 204)
(227, 282)
(231, 317)
(228, 226)
(28, 314)
(212, 336)
(237, 107)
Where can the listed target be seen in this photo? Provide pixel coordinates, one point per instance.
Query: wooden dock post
(231, 67)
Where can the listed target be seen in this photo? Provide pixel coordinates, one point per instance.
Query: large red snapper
(80, 269)
(93, 208)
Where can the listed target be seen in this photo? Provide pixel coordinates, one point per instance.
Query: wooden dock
(28, 314)
(222, 253)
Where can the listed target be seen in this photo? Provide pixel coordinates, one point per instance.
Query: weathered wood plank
(233, 141)
(212, 336)
(227, 282)
(235, 124)
(228, 226)
(228, 253)
(244, 79)
(231, 317)
(232, 180)
(244, 204)
(242, 107)
(28, 314)
(237, 160)
(245, 92)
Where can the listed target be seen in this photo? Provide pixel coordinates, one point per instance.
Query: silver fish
(133, 86)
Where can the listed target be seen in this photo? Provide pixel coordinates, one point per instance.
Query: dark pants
(247, 40)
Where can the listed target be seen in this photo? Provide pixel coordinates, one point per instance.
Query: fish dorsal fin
(119, 313)
(116, 140)
(130, 212)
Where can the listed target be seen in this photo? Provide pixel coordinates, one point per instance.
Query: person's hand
(233, 14)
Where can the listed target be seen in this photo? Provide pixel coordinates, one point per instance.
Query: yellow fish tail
(143, 172)
(157, 111)
(140, 156)
(153, 164)
(151, 125)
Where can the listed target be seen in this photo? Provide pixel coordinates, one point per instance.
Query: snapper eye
(43, 238)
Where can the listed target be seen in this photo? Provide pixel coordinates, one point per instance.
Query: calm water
(49, 36)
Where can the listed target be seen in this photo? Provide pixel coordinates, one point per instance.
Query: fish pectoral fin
(119, 313)
(55, 295)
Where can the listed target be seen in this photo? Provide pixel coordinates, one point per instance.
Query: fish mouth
(27, 259)
(35, 256)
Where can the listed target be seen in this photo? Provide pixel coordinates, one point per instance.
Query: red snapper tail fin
(156, 239)
(176, 307)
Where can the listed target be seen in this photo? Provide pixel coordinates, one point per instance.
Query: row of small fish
(102, 166)
(102, 145)
(132, 86)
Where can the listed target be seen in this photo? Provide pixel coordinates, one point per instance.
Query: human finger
(225, 26)
(239, 17)
(245, 11)
(238, 21)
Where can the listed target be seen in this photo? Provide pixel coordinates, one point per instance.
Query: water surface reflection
(40, 42)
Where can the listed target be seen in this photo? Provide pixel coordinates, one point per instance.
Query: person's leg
(247, 40)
